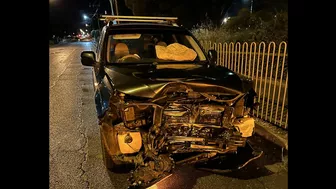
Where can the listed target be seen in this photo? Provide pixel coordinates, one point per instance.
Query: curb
(271, 135)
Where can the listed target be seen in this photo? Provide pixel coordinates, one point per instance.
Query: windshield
(148, 47)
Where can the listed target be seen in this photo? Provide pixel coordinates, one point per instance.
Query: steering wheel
(129, 57)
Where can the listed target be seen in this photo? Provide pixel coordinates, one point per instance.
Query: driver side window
(119, 48)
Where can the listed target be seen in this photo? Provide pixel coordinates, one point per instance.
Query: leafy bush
(246, 27)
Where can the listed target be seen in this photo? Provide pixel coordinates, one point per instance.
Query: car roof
(144, 26)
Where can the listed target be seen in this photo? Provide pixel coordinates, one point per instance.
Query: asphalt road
(75, 151)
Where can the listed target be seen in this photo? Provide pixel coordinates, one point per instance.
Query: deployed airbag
(175, 52)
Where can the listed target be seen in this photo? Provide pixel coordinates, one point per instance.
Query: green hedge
(247, 27)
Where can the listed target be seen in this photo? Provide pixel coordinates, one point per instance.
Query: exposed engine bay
(181, 119)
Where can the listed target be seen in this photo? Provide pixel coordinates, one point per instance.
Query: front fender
(102, 97)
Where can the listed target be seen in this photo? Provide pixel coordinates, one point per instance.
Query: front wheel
(110, 163)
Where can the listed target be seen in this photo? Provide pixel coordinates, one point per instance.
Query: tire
(110, 164)
(108, 161)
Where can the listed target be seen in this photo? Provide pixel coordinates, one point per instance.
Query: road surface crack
(65, 67)
(261, 183)
(83, 175)
(84, 148)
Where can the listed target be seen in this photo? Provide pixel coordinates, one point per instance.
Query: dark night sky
(67, 15)
(64, 14)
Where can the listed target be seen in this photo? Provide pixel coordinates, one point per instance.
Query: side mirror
(88, 58)
(213, 56)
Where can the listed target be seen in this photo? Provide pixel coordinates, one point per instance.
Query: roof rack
(150, 19)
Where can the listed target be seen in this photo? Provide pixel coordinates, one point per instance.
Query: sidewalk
(272, 133)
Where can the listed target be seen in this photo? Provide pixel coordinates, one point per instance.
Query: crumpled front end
(184, 123)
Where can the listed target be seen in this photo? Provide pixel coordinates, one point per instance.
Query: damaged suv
(159, 97)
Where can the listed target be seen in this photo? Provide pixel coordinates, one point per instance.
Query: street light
(85, 17)
(86, 25)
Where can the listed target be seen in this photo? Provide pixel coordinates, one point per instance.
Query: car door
(98, 74)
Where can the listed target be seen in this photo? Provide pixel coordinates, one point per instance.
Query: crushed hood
(145, 80)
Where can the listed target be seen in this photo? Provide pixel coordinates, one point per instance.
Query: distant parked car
(86, 39)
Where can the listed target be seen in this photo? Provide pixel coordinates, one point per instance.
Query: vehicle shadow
(185, 177)
(270, 162)
(119, 180)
